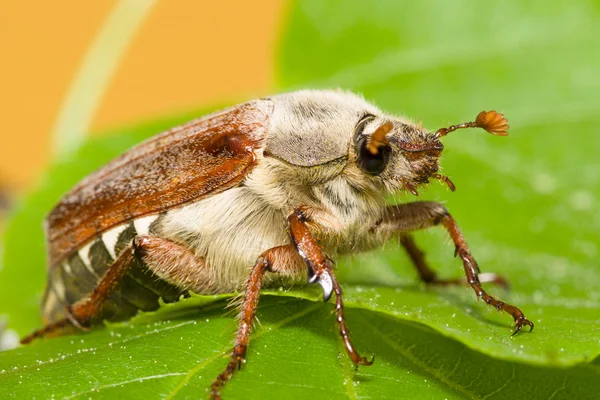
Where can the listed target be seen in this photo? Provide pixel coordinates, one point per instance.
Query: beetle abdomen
(80, 273)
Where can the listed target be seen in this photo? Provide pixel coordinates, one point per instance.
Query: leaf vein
(111, 385)
(508, 381)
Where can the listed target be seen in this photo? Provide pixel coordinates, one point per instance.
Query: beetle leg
(174, 263)
(280, 259)
(47, 330)
(85, 311)
(321, 270)
(168, 260)
(420, 215)
(430, 277)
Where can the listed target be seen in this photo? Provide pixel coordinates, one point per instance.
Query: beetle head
(405, 155)
(318, 134)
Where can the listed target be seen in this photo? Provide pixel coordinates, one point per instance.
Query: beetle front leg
(429, 276)
(420, 215)
(321, 271)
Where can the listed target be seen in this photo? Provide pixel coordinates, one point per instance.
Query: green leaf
(525, 204)
(179, 357)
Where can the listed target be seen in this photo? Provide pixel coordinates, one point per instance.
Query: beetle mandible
(257, 195)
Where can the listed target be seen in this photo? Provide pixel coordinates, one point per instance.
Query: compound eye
(373, 151)
(372, 164)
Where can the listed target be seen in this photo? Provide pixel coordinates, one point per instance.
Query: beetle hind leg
(83, 313)
(48, 330)
(167, 260)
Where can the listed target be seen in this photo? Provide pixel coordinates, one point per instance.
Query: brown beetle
(255, 195)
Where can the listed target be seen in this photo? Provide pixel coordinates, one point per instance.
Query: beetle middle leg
(420, 215)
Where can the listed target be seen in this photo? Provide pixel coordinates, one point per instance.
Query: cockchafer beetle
(252, 196)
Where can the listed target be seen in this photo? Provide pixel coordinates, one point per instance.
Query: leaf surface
(178, 357)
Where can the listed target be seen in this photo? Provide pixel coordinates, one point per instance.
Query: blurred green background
(526, 203)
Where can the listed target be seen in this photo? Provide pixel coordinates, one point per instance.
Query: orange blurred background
(70, 67)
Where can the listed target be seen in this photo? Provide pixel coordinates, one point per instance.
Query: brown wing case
(184, 164)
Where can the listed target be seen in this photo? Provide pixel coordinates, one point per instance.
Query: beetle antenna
(492, 121)
(378, 138)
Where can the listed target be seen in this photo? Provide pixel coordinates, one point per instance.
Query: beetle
(263, 193)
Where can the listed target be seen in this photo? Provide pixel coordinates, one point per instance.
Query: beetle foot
(72, 319)
(515, 312)
(520, 322)
(364, 361)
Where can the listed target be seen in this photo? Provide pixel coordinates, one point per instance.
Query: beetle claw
(520, 323)
(323, 279)
(327, 284)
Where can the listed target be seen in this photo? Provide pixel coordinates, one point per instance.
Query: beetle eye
(373, 152)
(372, 164)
